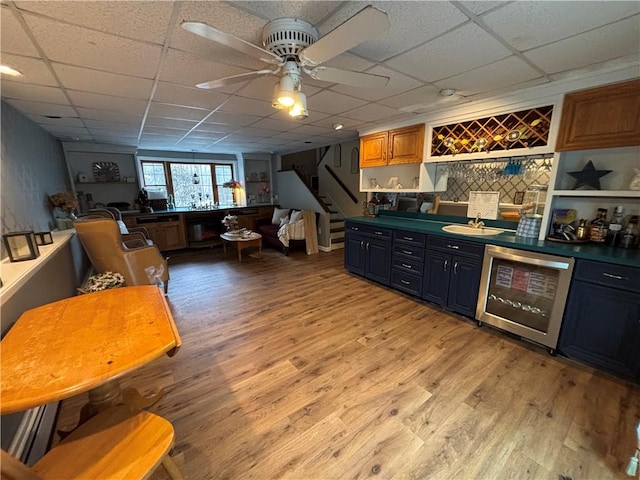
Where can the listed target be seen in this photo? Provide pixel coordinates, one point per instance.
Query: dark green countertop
(416, 222)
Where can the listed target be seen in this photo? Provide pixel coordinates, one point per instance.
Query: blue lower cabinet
(369, 254)
(377, 261)
(354, 254)
(406, 282)
(452, 281)
(601, 326)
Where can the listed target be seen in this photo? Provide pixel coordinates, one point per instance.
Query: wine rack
(523, 129)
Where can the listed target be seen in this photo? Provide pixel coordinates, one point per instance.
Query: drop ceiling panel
(34, 71)
(174, 111)
(459, 51)
(348, 123)
(215, 128)
(66, 131)
(38, 108)
(35, 93)
(116, 140)
(412, 23)
(77, 78)
(12, 37)
(422, 95)
(138, 20)
(88, 48)
(398, 83)
(526, 25)
(189, 70)
(101, 115)
(371, 113)
(170, 123)
(617, 40)
(107, 102)
(187, 96)
(333, 102)
(479, 8)
(276, 124)
(237, 119)
(312, 12)
(61, 122)
(247, 106)
(509, 71)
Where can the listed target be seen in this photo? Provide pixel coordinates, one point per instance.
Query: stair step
(336, 229)
(336, 220)
(337, 240)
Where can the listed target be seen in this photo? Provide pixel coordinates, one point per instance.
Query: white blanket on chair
(291, 231)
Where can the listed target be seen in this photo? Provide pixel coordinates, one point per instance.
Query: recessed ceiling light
(447, 92)
(337, 126)
(7, 70)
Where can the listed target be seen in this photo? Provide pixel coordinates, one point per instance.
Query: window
(191, 184)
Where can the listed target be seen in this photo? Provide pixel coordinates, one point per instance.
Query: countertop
(221, 209)
(433, 225)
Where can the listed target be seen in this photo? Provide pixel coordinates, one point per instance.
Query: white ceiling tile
(371, 113)
(170, 122)
(34, 71)
(88, 48)
(174, 111)
(35, 93)
(617, 40)
(256, 132)
(509, 71)
(189, 70)
(107, 116)
(458, 51)
(333, 102)
(247, 106)
(290, 136)
(38, 108)
(116, 140)
(311, 130)
(412, 23)
(422, 95)
(312, 12)
(107, 102)
(398, 83)
(77, 78)
(215, 128)
(139, 20)
(348, 123)
(12, 37)
(479, 8)
(228, 118)
(347, 61)
(283, 115)
(529, 24)
(64, 121)
(187, 96)
(66, 131)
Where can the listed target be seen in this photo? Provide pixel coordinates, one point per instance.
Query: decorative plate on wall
(355, 160)
(106, 172)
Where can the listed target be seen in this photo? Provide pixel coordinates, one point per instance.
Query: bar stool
(119, 443)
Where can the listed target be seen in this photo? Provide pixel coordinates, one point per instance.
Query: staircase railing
(341, 184)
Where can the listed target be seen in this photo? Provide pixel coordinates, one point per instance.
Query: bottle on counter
(630, 236)
(614, 232)
(598, 228)
(582, 232)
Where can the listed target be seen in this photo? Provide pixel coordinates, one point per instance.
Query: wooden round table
(243, 242)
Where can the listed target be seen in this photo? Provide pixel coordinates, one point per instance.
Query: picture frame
(355, 160)
(337, 156)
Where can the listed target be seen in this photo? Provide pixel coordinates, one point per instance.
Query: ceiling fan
(292, 46)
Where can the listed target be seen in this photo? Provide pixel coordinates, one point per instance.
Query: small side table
(243, 242)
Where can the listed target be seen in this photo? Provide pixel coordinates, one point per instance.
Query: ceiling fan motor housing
(285, 37)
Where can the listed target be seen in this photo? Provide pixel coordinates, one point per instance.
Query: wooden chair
(118, 443)
(101, 239)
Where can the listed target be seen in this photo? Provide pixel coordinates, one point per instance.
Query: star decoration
(588, 176)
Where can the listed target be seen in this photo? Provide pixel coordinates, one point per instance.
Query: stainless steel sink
(467, 230)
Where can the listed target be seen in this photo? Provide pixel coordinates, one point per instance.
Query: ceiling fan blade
(364, 25)
(234, 79)
(228, 40)
(347, 77)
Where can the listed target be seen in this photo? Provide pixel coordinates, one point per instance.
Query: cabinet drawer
(409, 251)
(406, 282)
(618, 276)
(453, 245)
(407, 264)
(409, 238)
(369, 230)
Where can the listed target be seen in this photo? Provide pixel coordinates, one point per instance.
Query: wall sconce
(43, 238)
(21, 246)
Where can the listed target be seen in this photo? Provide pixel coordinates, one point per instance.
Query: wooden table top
(68, 347)
(240, 238)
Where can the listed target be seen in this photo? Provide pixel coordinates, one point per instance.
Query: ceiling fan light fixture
(286, 91)
(299, 109)
(7, 70)
(274, 99)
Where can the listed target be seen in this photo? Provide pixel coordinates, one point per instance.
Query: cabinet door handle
(405, 282)
(355, 228)
(377, 232)
(384, 155)
(405, 265)
(361, 244)
(407, 252)
(455, 268)
(410, 239)
(455, 247)
(368, 246)
(446, 264)
(616, 277)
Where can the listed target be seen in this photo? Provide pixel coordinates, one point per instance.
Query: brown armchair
(131, 236)
(102, 241)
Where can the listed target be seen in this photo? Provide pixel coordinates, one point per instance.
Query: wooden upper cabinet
(406, 145)
(373, 150)
(394, 147)
(603, 117)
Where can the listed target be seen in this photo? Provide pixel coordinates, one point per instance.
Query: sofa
(268, 227)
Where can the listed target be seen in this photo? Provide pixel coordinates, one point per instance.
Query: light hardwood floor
(292, 368)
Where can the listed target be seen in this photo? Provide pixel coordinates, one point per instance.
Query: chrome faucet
(477, 223)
